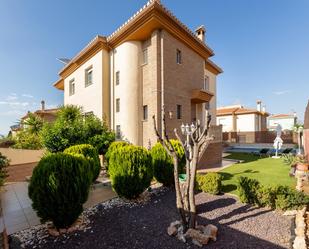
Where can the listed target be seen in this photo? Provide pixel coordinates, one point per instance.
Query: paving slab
(17, 213)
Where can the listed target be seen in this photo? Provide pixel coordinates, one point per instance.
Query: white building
(287, 121)
(237, 118)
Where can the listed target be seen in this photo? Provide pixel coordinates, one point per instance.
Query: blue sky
(262, 45)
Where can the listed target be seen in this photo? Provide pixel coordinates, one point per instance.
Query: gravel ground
(116, 224)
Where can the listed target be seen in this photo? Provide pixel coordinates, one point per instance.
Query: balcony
(201, 96)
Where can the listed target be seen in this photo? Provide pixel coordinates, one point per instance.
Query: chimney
(43, 105)
(259, 105)
(200, 33)
(264, 108)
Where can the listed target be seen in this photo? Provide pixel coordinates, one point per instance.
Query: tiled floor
(17, 213)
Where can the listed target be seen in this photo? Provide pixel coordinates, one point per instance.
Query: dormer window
(88, 76)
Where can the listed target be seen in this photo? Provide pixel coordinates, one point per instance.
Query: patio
(17, 213)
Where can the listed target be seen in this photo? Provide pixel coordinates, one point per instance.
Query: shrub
(130, 170)
(287, 198)
(114, 147)
(102, 141)
(4, 162)
(247, 189)
(90, 153)
(209, 183)
(27, 140)
(279, 197)
(58, 188)
(162, 162)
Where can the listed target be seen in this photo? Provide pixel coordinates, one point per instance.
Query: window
(145, 112)
(118, 132)
(117, 78)
(145, 56)
(72, 87)
(206, 83)
(117, 105)
(88, 76)
(179, 114)
(178, 56)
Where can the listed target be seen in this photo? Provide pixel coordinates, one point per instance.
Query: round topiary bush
(209, 183)
(130, 170)
(90, 153)
(163, 168)
(58, 188)
(113, 147)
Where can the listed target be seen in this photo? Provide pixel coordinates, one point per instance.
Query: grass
(268, 171)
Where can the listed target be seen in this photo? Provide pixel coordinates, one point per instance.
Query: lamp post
(187, 130)
(299, 130)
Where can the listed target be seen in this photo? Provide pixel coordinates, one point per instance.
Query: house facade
(287, 121)
(240, 119)
(152, 61)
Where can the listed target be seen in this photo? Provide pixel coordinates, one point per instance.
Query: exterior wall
(127, 62)
(286, 123)
(180, 79)
(226, 122)
(246, 122)
(151, 77)
(213, 89)
(249, 137)
(93, 92)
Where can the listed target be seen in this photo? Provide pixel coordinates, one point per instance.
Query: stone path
(17, 213)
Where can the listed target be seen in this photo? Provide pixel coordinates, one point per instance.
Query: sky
(262, 46)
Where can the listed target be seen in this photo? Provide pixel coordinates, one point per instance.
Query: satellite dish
(64, 60)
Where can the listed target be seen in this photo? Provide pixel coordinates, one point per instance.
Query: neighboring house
(240, 119)
(306, 132)
(47, 115)
(152, 60)
(287, 121)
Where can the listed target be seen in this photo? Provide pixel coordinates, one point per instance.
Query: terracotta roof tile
(238, 111)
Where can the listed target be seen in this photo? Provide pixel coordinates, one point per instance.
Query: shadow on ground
(144, 226)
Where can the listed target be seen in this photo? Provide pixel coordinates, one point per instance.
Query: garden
(162, 201)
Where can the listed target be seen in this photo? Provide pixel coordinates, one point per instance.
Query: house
(152, 60)
(287, 121)
(47, 115)
(237, 118)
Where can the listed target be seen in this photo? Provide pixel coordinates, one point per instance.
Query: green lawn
(268, 171)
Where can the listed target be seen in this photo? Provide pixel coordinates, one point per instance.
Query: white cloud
(27, 95)
(14, 103)
(12, 96)
(282, 92)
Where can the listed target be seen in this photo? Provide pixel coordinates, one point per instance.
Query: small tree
(197, 141)
(4, 163)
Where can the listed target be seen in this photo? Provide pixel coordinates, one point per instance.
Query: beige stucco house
(287, 121)
(152, 60)
(238, 118)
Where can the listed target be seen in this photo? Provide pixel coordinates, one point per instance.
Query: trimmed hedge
(163, 163)
(89, 152)
(130, 170)
(279, 197)
(58, 188)
(209, 183)
(113, 147)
